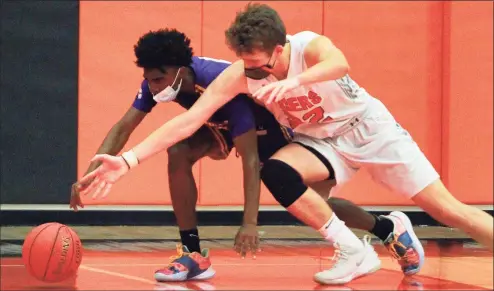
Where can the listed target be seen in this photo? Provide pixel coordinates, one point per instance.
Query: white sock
(335, 231)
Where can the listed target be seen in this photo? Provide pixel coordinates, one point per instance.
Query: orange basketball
(52, 252)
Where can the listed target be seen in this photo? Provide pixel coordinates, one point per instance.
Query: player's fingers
(261, 93)
(280, 94)
(238, 248)
(99, 189)
(273, 94)
(73, 204)
(90, 188)
(236, 244)
(106, 190)
(257, 242)
(72, 198)
(79, 201)
(74, 201)
(81, 187)
(86, 180)
(239, 244)
(252, 246)
(244, 251)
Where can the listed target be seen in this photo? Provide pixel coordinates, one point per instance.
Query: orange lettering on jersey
(304, 102)
(292, 120)
(314, 98)
(283, 105)
(314, 116)
(293, 104)
(300, 103)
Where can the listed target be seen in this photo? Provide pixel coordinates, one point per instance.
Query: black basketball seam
(32, 244)
(51, 253)
(73, 246)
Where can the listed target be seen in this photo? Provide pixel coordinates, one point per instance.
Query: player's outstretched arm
(113, 143)
(218, 93)
(247, 238)
(325, 62)
(119, 134)
(246, 145)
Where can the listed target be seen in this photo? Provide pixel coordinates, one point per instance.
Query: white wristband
(131, 158)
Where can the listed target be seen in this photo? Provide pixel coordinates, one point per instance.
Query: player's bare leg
(183, 190)
(286, 175)
(353, 215)
(436, 200)
(191, 262)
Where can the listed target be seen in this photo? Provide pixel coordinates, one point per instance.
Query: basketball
(52, 252)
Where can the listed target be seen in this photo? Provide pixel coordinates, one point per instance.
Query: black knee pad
(283, 181)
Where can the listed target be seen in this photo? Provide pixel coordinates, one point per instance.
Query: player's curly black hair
(259, 27)
(163, 47)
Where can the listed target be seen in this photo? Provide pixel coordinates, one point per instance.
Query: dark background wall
(38, 81)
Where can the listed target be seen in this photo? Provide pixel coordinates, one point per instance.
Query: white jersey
(319, 109)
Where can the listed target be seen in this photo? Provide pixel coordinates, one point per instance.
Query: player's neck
(283, 63)
(188, 79)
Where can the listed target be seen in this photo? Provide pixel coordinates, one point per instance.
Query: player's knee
(179, 157)
(458, 216)
(283, 181)
(337, 204)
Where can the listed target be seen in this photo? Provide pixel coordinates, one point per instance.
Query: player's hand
(274, 92)
(247, 239)
(75, 197)
(111, 169)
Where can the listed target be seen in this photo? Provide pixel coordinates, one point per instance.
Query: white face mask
(168, 94)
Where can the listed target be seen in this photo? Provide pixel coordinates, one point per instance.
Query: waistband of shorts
(352, 123)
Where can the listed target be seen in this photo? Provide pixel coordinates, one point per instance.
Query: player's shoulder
(207, 69)
(208, 60)
(303, 36)
(206, 64)
(144, 88)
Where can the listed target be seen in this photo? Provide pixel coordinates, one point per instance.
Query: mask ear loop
(173, 84)
(176, 76)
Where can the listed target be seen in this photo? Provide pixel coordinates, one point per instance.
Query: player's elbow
(343, 69)
(339, 63)
(342, 65)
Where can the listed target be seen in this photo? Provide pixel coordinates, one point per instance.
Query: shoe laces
(340, 255)
(410, 256)
(180, 253)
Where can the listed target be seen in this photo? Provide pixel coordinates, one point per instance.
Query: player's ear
(278, 49)
(181, 70)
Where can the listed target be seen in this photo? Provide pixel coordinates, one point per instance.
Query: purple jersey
(237, 114)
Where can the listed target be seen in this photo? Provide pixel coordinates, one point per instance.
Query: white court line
(116, 274)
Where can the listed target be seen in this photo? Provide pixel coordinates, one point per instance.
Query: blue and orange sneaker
(186, 266)
(404, 245)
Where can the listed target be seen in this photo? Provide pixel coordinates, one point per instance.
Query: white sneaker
(350, 263)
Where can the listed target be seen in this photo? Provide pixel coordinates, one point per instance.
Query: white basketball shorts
(379, 144)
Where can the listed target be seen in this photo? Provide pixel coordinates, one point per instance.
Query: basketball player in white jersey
(303, 79)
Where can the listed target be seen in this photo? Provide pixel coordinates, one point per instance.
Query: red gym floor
(288, 266)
